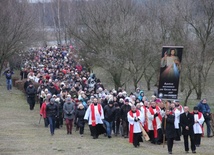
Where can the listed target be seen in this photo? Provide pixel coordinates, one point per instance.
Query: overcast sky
(35, 1)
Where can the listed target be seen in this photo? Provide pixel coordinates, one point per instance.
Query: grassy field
(21, 134)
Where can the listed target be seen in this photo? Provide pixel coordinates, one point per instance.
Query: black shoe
(193, 151)
(109, 136)
(170, 152)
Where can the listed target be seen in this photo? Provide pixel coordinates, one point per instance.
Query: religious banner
(170, 68)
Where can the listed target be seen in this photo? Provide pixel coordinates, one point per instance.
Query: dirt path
(21, 133)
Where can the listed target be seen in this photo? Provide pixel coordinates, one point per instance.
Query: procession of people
(68, 91)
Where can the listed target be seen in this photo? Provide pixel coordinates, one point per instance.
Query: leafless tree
(199, 18)
(109, 29)
(16, 28)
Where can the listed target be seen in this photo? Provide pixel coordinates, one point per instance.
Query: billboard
(170, 68)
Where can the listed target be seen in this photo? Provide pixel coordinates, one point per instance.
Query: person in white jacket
(197, 127)
(154, 123)
(177, 113)
(135, 119)
(94, 115)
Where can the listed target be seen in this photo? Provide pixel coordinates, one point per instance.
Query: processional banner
(170, 68)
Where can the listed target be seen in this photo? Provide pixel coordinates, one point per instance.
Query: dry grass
(21, 133)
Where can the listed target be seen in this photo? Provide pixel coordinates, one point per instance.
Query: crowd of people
(68, 91)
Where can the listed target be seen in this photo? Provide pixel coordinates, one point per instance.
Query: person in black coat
(168, 129)
(125, 108)
(116, 125)
(31, 93)
(26, 84)
(52, 89)
(187, 122)
(109, 117)
(52, 113)
(79, 118)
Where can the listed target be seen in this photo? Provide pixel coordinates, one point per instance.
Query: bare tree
(109, 29)
(16, 28)
(199, 18)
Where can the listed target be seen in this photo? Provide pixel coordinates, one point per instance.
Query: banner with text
(170, 68)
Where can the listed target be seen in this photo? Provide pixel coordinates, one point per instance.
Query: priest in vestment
(135, 119)
(94, 115)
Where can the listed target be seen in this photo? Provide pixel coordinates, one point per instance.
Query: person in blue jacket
(204, 108)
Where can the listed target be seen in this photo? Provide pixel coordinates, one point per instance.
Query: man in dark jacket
(109, 117)
(26, 84)
(168, 129)
(187, 122)
(52, 112)
(31, 93)
(116, 124)
(123, 117)
(52, 89)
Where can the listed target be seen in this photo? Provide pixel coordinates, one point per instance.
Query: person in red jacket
(43, 112)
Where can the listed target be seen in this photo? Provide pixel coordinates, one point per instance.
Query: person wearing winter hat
(140, 96)
(31, 93)
(109, 117)
(57, 102)
(204, 108)
(43, 111)
(116, 124)
(52, 112)
(79, 118)
(168, 128)
(125, 108)
(69, 114)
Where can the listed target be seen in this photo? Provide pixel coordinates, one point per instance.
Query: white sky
(35, 1)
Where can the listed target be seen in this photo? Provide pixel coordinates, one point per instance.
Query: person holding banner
(144, 110)
(154, 123)
(171, 63)
(168, 129)
(135, 118)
